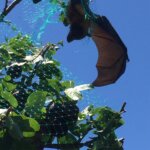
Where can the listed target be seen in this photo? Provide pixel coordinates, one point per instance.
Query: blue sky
(131, 20)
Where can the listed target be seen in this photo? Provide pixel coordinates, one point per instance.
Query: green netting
(88, 13)
(36, 90)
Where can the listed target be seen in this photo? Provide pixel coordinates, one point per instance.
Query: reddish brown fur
(78, 24)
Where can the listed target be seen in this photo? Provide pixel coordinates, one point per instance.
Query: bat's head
(74, 12)
(77, 32)
(76, 19)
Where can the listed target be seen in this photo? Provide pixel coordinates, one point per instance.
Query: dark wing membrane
(104, 22)
(112, 52)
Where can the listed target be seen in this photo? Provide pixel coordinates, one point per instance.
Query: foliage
(41, 106)
(39, 109)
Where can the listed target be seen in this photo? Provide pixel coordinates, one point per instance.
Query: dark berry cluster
(60, 117)
(14, 71)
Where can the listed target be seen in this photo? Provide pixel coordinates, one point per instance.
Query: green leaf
(4, 55)
(27, 127)
(67, 84)
(7, 78)
(2, 133)
(85, 128)
(60, 43)
(107, 119)
(19, 44)
(68, 139)
(33, 124)
(108, 141)
(10, 98)
(46, 138)
(9, 86)
(1, 88)
(88, 111)
(55, 84)
(35, 103)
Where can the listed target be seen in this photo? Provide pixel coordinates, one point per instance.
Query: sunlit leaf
(67, 84)
(7, 78)
(9, 86)
(73, 93)
(35, 103)
(83, 87)
(10, 98)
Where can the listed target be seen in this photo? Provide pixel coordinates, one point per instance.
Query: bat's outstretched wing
(112, 53)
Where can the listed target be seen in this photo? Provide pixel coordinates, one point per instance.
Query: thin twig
(9, 111)
(43, 51)
(122, 110)
(6, 4)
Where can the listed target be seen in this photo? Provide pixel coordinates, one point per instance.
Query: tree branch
(7, 8)
(6, 4)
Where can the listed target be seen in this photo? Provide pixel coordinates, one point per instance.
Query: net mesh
(60, 116)
(36, 17)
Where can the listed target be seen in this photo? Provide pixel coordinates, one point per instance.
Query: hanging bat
(112, 53)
